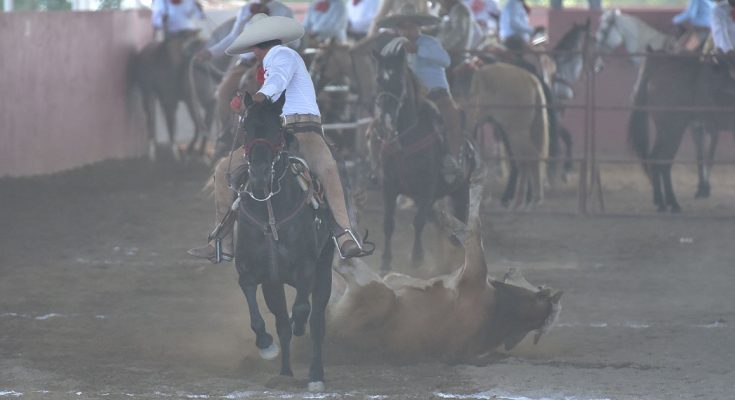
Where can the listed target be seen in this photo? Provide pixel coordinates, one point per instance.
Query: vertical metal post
(584, 167)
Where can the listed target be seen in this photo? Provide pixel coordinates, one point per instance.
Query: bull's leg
(275, 298)
(263, 340)
(536, 183)
(419, 221)
(317, 323)
(389, 198)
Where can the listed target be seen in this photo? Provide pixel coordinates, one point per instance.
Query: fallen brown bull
(452, 317)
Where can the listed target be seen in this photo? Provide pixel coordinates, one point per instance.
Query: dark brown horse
(667, 87)
(409, 129)
(165, 71)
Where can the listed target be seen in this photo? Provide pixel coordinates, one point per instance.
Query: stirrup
(366, 248)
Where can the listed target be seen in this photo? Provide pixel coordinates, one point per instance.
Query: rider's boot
(223, 200)
(322, 164)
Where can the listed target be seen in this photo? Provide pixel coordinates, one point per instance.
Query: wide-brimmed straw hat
(408, 13)
(264, 28)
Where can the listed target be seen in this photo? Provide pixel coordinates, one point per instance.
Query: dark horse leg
(419, 221)
(301, 307)
(275, 298)
(263, 340)
(704, 162)
(389, 223)
(510, 187)
(669, 132)
(149, 111)
(566, 137)
(317, 324)
(169, 112)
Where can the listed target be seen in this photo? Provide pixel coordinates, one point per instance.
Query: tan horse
(513, 100)
(453, 317)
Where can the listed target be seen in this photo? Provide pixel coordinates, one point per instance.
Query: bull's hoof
(316, 387)
(270, 352)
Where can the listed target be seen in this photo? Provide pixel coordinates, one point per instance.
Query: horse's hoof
(270, 352)
(316, 387)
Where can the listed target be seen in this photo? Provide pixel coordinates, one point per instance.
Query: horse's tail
(638, 122)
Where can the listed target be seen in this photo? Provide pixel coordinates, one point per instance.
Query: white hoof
(316, 387)
(270, 352)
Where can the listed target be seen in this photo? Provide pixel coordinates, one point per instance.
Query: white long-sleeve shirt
(514, 21)
(486, 13)
(275, 8)
(723, 27)
(180, 16)
(361, 14)
(328, 24)
(285, 71)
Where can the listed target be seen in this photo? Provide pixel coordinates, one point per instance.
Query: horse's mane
(569, 40)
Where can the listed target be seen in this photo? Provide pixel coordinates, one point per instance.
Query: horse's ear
(279, 103)
(247, 99)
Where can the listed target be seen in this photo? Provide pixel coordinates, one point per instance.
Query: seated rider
(697, 15)
(231, 81)
(326, 20)
(487, 14)
(285, 71)
(516, 30)
(360, 14)
(428, 60)
(175, 17)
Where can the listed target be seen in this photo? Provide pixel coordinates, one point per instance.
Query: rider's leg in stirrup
(223, 199)
(322, 164)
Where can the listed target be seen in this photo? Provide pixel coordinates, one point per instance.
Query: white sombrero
(263, 28)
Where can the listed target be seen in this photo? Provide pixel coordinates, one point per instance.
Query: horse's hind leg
(419, 221)
(275, 298)
(566, 137)
(317, 323)
(667, 144)
(704, 162)
(263, 340)
(169, 113)
(149, 110)
(389, 224)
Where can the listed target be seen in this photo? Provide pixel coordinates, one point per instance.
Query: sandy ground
(98, 298)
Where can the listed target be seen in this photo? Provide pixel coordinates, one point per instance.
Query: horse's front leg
(419, 221)
(301, 307)
(317, 323)
(275, 298)
(263, 340)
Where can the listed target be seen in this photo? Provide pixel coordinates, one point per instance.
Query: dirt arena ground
(98, 298)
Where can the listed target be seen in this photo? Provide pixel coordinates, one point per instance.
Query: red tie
(176, 2)
(257, 8)
(356, 2)
(477, 5)
(260, 76)
(322, 6)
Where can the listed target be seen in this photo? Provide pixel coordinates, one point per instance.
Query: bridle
(400, 100)
(276, 149)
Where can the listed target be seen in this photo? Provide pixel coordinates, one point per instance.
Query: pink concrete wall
(613, 86)
(64, 89)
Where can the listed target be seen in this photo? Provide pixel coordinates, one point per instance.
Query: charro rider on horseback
(428, 60)
(231, 80)
(285, 72)
(175, 16)
(326, 20)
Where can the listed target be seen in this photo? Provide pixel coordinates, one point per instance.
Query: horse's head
(332, 64)
(520, 310)
(608, 36)
(264, 144)
(569, 57)
(392, 73)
